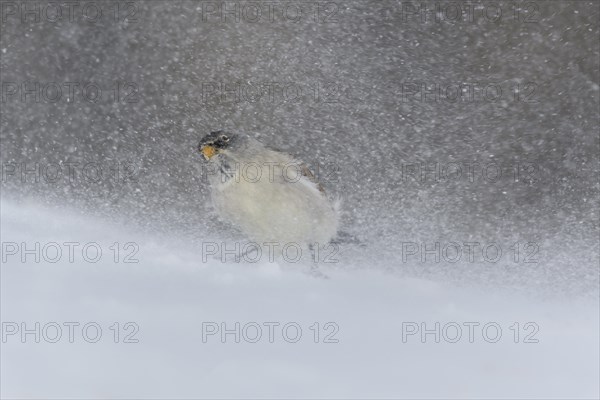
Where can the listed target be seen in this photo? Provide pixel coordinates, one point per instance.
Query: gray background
(359, 126)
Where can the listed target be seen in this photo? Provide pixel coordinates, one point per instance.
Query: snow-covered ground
(170, 308)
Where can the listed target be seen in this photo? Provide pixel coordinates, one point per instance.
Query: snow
(439, 132)
(170, 293)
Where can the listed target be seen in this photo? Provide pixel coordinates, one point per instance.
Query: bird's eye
(224, 138)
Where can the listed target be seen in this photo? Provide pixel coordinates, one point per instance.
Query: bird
(269, 195)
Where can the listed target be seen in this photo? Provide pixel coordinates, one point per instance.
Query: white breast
(278, 206)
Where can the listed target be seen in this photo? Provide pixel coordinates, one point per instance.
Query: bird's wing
(304, 169)
(306, 172)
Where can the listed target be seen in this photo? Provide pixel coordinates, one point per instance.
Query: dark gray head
(216, 142)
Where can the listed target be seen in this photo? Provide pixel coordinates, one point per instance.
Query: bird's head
(215, 143)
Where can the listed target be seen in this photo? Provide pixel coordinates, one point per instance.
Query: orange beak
(208, 151)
